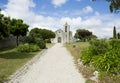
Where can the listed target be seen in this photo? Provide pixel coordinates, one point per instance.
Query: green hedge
(28, 48)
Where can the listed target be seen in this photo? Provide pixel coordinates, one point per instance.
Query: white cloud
(58, 3)
(87, 9)
(100, 25)
(21, 9)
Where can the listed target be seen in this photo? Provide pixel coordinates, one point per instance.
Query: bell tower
(67, 31)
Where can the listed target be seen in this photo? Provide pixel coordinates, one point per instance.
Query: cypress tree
(114, 33)
(118, 35)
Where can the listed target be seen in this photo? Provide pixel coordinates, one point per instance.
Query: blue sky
(53, 14)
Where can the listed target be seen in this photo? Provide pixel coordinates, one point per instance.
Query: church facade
(63, 36)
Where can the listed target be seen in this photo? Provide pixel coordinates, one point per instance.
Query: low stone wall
(15, 78)
(11, 41)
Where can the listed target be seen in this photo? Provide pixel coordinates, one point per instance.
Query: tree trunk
(17, 41)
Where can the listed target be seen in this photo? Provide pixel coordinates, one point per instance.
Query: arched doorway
(59, 39)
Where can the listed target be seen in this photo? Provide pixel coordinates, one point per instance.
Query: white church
(63, 36)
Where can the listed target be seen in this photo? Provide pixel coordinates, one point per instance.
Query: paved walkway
(56, 66)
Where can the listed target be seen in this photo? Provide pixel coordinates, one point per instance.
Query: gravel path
(56, 66)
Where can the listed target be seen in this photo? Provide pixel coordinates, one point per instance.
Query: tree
(47, 34)
(118, 35)
(114, 5)
(39, 36)
(43, 33)
(18, 28)
(35, 33)
(83, 34)
(4, 26)
(114, 33)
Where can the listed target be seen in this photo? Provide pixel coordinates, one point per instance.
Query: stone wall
(11, 41)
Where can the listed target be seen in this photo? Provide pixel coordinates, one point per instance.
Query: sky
(53, 14)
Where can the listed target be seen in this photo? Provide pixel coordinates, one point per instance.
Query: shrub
(108, 62)
(28, 48)
(86, 56)
(115, 43)
(96, 48)
(34, 48)
(105, 57)
(99, 46)
(40, 42)
(32, 40)
(23, 48)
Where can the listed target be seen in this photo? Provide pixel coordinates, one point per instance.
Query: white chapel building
(63, 36)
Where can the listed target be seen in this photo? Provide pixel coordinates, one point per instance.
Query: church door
(59, 39)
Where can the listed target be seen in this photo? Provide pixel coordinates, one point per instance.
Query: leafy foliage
(114, 5)
(40, 42)
(28, 48)
(83, 34)
(18, 28)
(118, 35)
(42, 33)
(13, 26)
(108, 62)
(104, 55)
(40, 36)
(4, 26)
(99, 46)
(33, 40)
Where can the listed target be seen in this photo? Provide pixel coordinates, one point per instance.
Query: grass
(11, 60)
(75, 48)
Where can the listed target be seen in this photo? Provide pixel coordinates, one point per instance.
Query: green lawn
(11, 60)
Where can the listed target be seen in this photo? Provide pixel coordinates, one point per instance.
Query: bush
(96, 48)
(40, 43)
(99, 46)
(86, 56)
(28, 48)
(115, 43)
(110, 60)
(104, 55)
(34, 48)
(32, 40)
